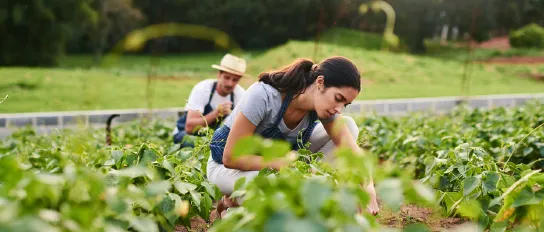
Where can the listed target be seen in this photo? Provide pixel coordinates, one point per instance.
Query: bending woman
(303, 97)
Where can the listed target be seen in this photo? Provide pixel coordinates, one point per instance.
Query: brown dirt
(410, 214)
(499, 43)
(503, 43)
(198, 224)
(534, 76)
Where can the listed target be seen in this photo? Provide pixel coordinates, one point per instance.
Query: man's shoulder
(208, 83)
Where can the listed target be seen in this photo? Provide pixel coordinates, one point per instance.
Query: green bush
(530, 36)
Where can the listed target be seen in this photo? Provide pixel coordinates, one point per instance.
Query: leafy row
(481, 164)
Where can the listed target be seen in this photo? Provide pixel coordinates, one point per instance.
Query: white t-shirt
(200, 94)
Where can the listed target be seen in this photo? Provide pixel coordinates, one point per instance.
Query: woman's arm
(341, 136)
(241, 128)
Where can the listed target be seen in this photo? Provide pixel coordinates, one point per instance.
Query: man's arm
(195, 119)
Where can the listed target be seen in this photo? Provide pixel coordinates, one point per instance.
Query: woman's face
(332, 100)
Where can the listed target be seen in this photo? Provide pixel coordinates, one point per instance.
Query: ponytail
(293, 78)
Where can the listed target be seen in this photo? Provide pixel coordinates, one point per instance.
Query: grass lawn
(77, 85)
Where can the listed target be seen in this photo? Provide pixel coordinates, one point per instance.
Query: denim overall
(219, 139)
(180, 124)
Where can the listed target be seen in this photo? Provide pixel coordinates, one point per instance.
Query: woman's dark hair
(296, 77)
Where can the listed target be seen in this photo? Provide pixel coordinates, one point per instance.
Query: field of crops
(482, 166)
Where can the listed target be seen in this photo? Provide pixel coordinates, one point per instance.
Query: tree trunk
(102, 31)
(421, 33)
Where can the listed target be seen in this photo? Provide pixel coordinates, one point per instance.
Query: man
(212, 100)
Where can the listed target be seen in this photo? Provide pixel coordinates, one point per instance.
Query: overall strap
(212, 92)
(232, 100)
(283, 109)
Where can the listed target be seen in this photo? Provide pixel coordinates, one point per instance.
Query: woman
(303, 97)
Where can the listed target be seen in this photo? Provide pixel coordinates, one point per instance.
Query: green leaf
(196, 197)
(156, 188)
(490, 183)
(527, 151)
(315, 195)
(238, 193)
(417, 227)
(240, 183)
(131, 159)
(470, 184)
(425, 192)
(32, 224)
(499, 226)
(144, 224)
(168, 166)
(528, 197)
(206, 207)
(117, 155)
(49, 215)
(510, 189)
(167, 205)
(117, 204)
(305, 225)
(184, 187)
(210, 189)
(450, 198)
(469, 208)
(149, 156)
(133, 172)
(51, 179)
(278, 221)
(173, 215)
(272, 149)
(173, 148)
(250, 145)
(347, 201)
(183, 155)
(390, 191)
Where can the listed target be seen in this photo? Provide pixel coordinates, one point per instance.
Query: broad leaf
(314, 195)
(391, 192)
(250, 145)
(184, 187)
(490, 183)
(469, 184)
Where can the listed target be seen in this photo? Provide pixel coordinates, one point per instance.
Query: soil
(411, 214)
(503, 44)
(534, 76)
(198, 224)
(499, 43)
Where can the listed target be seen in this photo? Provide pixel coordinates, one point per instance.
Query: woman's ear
(320, 83)
(320, 80)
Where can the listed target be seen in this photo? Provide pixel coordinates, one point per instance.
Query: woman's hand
(372, 207)
(284, 161)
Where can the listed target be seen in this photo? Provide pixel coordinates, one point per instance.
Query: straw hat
(232, 64)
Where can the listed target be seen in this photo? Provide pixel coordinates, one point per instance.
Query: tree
(117, 16)
(34, 32)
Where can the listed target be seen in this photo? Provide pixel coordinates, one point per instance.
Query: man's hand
(224, 109)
